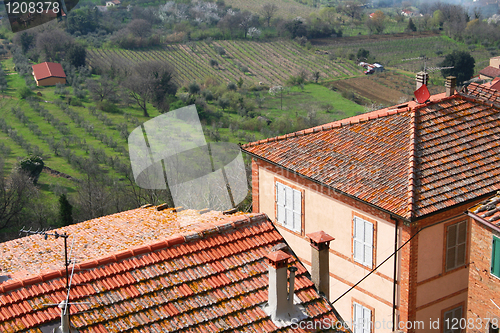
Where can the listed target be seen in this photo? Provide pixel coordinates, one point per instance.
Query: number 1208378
(38, 7)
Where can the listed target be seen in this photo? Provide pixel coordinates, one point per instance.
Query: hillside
(268, 62)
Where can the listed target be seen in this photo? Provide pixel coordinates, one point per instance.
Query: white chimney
(422, 78)
(277, 296)
(320, 263)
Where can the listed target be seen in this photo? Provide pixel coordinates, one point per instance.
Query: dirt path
(370, 38)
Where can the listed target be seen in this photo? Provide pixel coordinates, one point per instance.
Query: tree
(103, 88)
(16, 192)
(377, 22)
(268, 11)
(151, 81)
(53, 43)
(352, 9)
(76, 55)
(65, 210)
(33, 167)
(463, 66)
(213, 63)
(411, 26)
(140, 28)
(194, 88)
(82, 20)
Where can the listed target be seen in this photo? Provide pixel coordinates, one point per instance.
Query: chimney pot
(422, 78)
(320, 261)
(450, 84)
(320, 239)
(277, 294)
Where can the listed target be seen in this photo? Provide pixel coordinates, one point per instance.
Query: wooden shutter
(358, 239)
(358, 318)
(368, 255)
(461, 243)
(297, 210)
(280, 203)
(289, 207)
(495, 257)
(367, 316)
(451, 241)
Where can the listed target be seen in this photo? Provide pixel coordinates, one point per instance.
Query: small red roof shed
(48, 73)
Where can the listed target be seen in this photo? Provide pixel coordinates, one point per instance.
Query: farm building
(48, 74)
(391, 186)
(492, 71)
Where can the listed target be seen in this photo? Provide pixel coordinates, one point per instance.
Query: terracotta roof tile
(489, 209)
(490, 71)
(411, 161)
(219, 283)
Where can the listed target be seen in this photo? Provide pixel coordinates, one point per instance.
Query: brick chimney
(320, 264)
(278, 295)
(450, 84)
(422, 78)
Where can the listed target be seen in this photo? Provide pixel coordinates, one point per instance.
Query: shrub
(24, 92)
(108, 106)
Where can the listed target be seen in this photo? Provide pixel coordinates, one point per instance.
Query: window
(451, 320)
(362, 318)
(289, 207)
(456, 237)
(495, 257)
(363, 241)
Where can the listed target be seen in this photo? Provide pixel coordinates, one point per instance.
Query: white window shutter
(358, 240)
(368, 244)
(297, 210)
(280, 202)
(358, 318)
(367, 315)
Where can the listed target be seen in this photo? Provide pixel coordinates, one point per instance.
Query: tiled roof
(211, 279)
(490, 71)
(489, 209)
(99, 237)
(410, 161)
(48, 69)
(484, 92)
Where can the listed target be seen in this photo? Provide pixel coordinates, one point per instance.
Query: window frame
(297, 226)
(456, 245)
(356, 221)
(453, 309)
(364, 309)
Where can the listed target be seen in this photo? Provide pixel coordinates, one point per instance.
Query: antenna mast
(56, 235)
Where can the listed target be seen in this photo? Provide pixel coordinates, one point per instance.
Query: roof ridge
(335, 124)
(412, 160)
(232, 222)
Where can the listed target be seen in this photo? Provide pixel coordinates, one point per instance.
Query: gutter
(394, 278)
(483, 221)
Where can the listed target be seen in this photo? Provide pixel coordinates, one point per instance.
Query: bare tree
(140, 28)
(16, 192)
(268, 11)
(151, 81)
(104, 88)
(52, 43)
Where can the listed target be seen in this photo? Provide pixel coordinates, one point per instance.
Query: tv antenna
(56, 235)
(427, 69)
(65, 304)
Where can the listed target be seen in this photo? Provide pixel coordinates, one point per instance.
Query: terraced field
(267, 62)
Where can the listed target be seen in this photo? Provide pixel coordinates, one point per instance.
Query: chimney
(450, 84)
(320, 264)
(422, 78)
(277, 296)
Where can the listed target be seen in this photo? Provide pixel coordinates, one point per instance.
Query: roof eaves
(336, 124)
